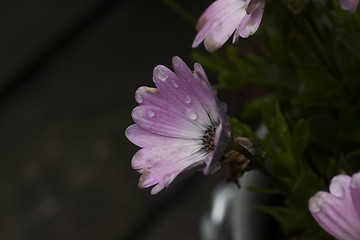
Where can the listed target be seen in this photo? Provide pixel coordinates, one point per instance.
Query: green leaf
(316, 78)
(306, 185)
(241, 129)
(324, 131)
(332, 168)
(283, 214)
(295, 221)
(264, 190)
(299, 140)
(276, 125)
(350, 162)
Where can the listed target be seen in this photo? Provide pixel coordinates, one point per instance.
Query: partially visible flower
(180, 125)
(338, 212)
(223, 17)
(349, 5)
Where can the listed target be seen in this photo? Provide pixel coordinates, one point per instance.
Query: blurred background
(69, 71)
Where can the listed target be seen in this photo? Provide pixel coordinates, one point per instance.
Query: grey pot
(231, 216)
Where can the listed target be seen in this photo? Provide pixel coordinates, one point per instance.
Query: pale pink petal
(212, 19)
(168, 154)
(335, 211)
(326, 210)
(222, 31)
(196, 79)
(152, 96)
(159, 121)
(164, 171)
(355, 191)
(149, 96)
(223, 17)
(349, 5)
(181, 95)
(250, 23)
(143, 138)
(216, 9)
(198, 84)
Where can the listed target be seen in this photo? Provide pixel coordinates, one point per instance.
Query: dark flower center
(208, 139)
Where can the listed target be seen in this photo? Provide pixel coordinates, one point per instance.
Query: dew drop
(190, 114)
(160, 74)
(137, 113)
(315, 204)
(177, 62)
(228, 133)
(188, 99)
(151, 114)
(139, 99)
(175, 84)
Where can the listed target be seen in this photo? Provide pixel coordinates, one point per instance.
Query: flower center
(208, 139)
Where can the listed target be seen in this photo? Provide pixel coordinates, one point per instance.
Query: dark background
(69, 70)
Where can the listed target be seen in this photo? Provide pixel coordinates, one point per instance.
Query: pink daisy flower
(349, 5)
(180, 125)
(223, 17)
(338, 212)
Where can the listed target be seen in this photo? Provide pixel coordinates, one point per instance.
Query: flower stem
(259, 165)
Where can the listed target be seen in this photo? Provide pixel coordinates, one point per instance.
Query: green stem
(258, 164)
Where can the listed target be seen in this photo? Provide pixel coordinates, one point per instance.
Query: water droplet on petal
(175, 84)
(160, 74)
(188, 99)
(139, 99)
(137, 113)
(228, 133)
(151, 113)
(177, 62)
(315, 204)
(191, 114)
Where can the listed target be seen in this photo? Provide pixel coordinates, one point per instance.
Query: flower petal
(213, 159)
(216, 9)
(143, 138)
(218, 23)
(335, 211)
(152, 156)
(153, 97)
(160, 121)
(250, 23)
(164, 167)
(349, 5)
(222, 30)
(199, 85)
(181, 95)
(149, 96)
(355, 191)
(210, 15)
(223, 17)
